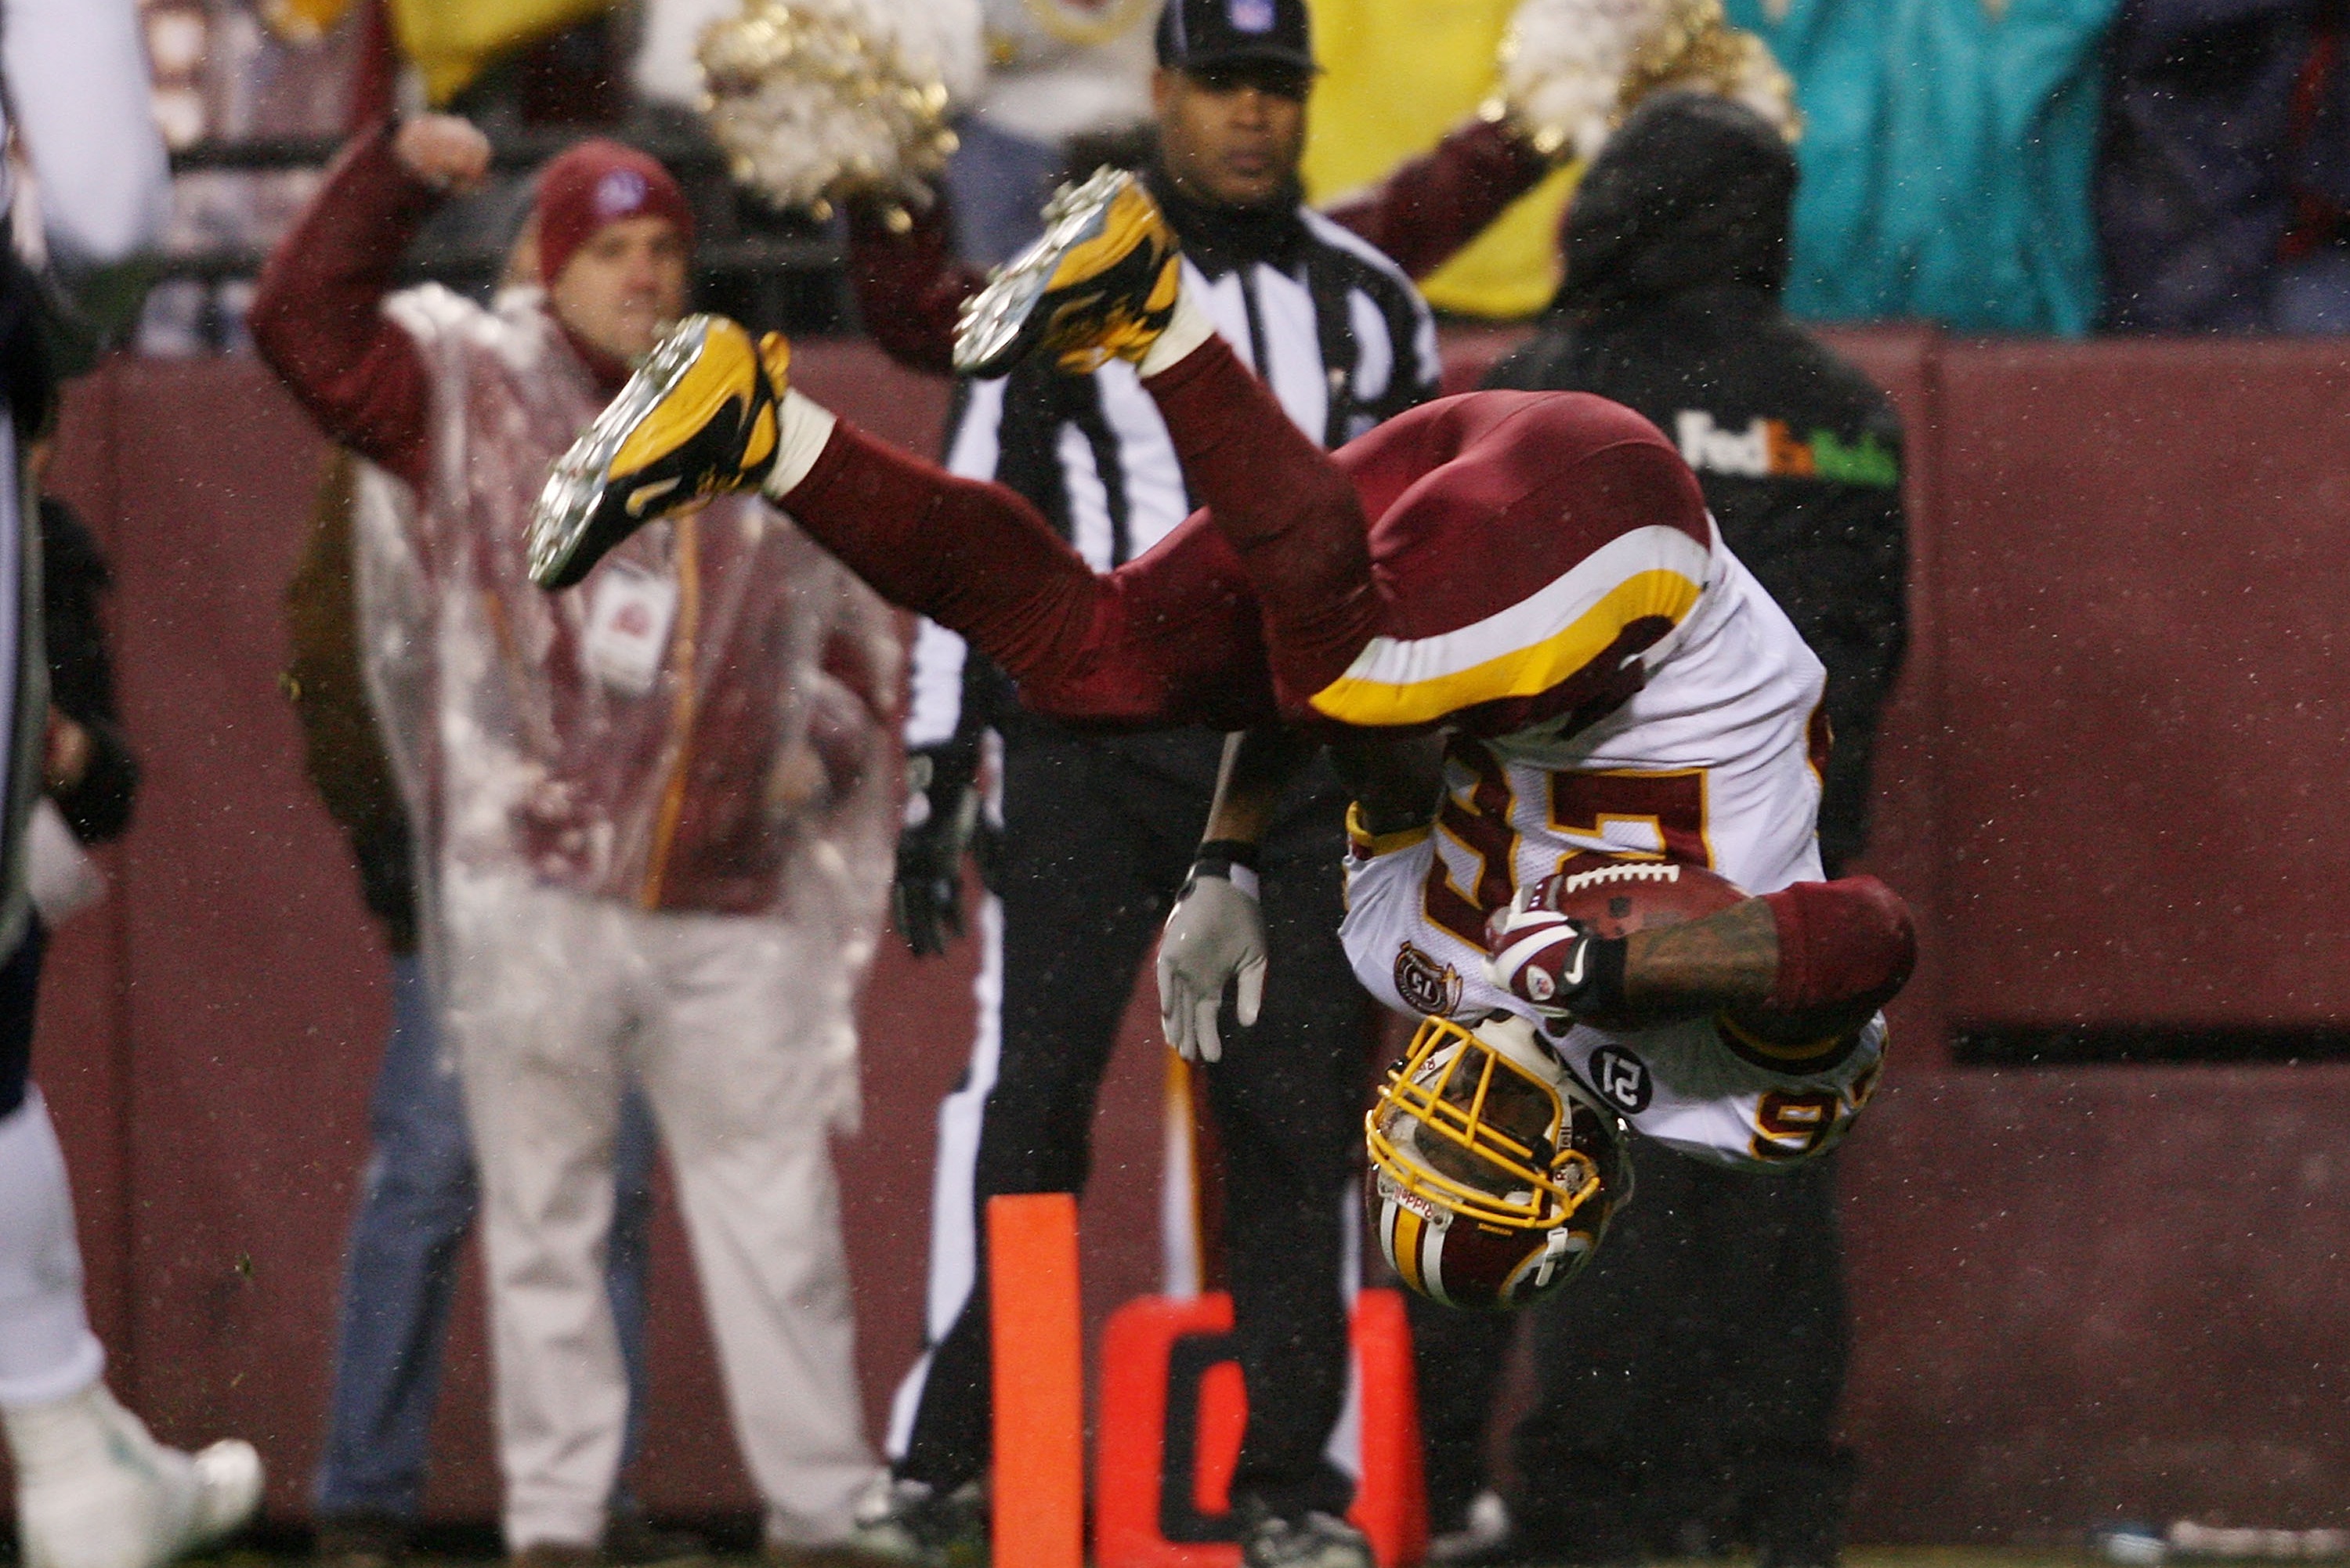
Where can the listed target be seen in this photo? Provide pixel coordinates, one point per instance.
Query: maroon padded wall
(2145, 564)
(2104, 785)
(2083, 1294)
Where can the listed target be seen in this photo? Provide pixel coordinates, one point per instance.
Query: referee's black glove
(942, 820)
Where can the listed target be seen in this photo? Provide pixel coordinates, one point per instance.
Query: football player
(94, 1488)
(1513, 621)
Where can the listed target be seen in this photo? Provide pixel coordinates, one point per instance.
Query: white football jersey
(1710, 763)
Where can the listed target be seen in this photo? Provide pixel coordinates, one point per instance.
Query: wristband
(1233, 859)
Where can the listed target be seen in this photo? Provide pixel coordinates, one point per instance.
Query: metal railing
(771, 268)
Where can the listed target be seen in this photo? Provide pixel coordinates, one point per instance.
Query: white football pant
(46, 1350)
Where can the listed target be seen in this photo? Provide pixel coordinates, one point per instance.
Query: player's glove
(1214, 935)
(1549, 959)
(941, 822)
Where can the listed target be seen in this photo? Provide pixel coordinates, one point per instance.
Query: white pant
(741, 1037)
(46, 1351)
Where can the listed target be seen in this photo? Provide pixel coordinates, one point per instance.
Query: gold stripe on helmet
(1409, 1228)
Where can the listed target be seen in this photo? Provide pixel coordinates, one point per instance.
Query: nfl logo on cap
(623, 190)
(1193, 33)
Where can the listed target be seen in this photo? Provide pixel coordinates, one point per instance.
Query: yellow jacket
(1398, 75)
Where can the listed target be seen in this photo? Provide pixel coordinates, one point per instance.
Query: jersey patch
(1621, 1079)
(1426, 982)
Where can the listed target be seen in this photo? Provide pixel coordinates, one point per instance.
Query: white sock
(46, 1350)
(1186, 331)
(802, 429)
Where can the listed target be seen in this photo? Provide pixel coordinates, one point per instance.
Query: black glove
(926, 898)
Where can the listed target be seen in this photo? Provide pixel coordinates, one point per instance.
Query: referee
(1099, 832)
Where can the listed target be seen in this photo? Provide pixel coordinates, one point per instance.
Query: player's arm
(1808, 962)
(1256, 772)
(1215, 933)
(1432, 206)
(316, 316)
(1397, 783)
(1728, 959)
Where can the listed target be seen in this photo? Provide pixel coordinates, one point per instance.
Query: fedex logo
(1769, 448)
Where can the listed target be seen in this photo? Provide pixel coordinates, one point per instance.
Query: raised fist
(443, 151)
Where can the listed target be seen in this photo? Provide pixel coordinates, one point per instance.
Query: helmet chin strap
(1554, 1250)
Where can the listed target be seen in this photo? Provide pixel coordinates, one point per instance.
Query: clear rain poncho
(698, 728)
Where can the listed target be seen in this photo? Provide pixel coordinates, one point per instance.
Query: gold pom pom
(1572, 69)
(814, 104)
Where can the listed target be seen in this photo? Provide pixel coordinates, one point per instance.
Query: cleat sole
(1005, 321)
(564, 543)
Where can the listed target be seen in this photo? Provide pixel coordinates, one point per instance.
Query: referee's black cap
(1198, 33)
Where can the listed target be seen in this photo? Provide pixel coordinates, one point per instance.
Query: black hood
(1692, 192)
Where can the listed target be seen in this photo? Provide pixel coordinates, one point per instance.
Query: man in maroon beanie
(613, 235)
(651, 819)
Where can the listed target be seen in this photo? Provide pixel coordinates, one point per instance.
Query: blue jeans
(418, 1204)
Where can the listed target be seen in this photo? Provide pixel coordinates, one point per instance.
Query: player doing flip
(1513, 621)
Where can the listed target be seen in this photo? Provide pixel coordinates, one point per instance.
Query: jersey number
(1481, 825)
(1658, 815)
(1797, 1126)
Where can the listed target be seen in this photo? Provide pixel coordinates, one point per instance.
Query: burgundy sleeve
(1848, 943)
(317, 314)
(1432, 206)
(910, 288)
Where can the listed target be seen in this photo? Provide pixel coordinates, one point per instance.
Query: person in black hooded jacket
(1688, 1383)
(1675, 248)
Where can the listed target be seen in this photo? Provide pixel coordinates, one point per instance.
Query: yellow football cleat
(1099, 285)
(698, 418)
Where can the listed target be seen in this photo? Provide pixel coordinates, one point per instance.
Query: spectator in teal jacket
(1946, 159)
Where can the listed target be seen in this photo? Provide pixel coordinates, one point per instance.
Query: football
(1613, 897)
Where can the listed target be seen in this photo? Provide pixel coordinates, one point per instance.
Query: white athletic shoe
(908, 1522)
(1480, 1536)
(94, 1490)
(1317, 1541)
